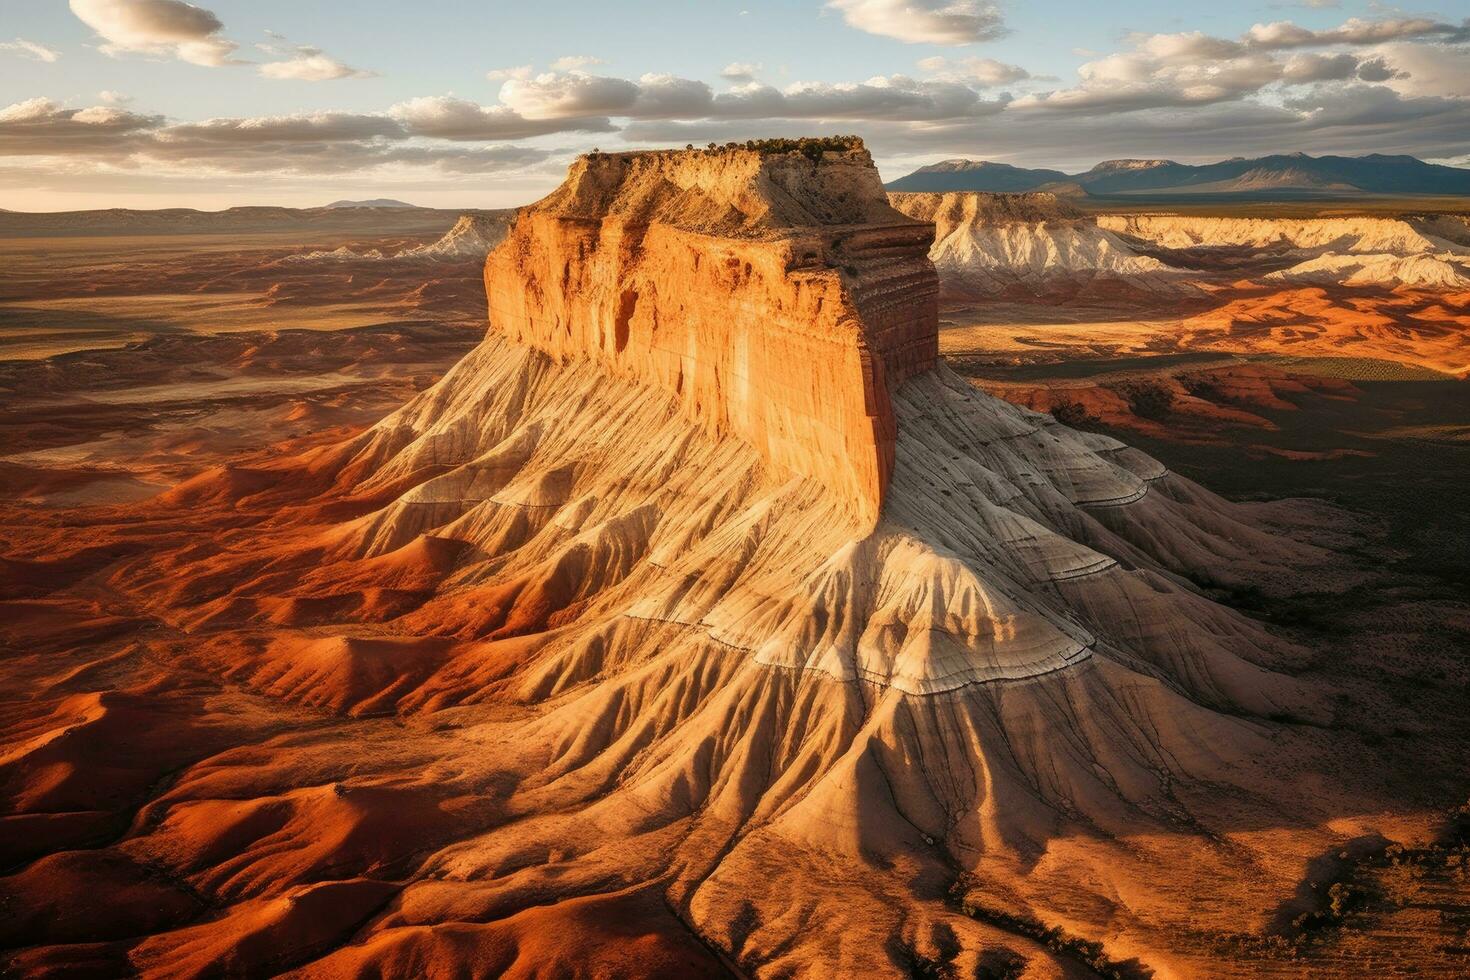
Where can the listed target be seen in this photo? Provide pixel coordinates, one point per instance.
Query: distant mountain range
(377, 202)
(1284, 176)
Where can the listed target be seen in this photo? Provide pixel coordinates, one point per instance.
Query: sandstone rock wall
(779, 298)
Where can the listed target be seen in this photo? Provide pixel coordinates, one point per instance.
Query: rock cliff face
(779, 298)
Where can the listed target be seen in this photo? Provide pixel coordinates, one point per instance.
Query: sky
(481, 103)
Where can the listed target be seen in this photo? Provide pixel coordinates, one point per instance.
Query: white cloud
(1355, 30)
(984, 72)
(1195, 69)
(575, 62)
(311, 127)
(110, 97)
(311, 66)
(555, 95)
(40, 126)
(1131, 81)
(741, 71)
(501, 74)
(881, 97)
(924, 21)
(107, 138)
(1190, 46)
(161, 28)
(30, 49)
(1427, 69)
(445, 117)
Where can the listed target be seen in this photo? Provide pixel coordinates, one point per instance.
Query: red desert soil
(568, 663)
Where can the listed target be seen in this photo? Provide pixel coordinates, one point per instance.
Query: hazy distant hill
(1283, 176)
(974, 175)
(377, 202)
(186, 221)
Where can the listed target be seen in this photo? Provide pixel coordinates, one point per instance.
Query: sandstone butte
(778, 296)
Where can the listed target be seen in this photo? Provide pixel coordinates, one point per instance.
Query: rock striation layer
(777, 296)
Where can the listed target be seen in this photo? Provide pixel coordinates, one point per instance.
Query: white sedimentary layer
(472, 237)
(1423, 270)
(1374, 235)
(986, 242)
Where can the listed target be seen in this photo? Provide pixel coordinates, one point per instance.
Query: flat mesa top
(760, 189)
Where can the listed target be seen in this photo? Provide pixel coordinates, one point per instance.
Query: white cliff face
(1373, 235)
(990, 242)
(472, 237)
(1422, 271)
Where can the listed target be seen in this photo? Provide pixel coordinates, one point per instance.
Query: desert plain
(790, 582)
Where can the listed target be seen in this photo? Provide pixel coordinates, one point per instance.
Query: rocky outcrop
(1367, 234)
(777, 296)
(986, 245)
(472, 237)
(1422, 270)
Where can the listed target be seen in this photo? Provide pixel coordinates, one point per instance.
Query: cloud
(574, 95)
(1283, 34)
(161, 28)
(30, 49)
(951, 22)
(556, 95)
(1319, 67)
(1425, 69)
(319, 143)
(881, 97)
(313, 127)
(1191, 46)
(575, 62)
(985, 72)
(301, 144)
(110, 97)
(1195, 69)
(449, 118)
(501, 74)
(311, 65)
(741, 71)
(1129, 82)
(40, 126)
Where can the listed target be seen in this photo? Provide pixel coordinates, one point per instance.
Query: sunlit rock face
(777, 296)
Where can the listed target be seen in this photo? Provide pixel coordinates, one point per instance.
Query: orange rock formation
(779, 297)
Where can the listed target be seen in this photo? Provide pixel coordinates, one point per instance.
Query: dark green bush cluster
(1071, 413)
(811, 147)
(1148, 400)
(1341, 898)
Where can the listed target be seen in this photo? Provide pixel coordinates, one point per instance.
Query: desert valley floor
(338, 638)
